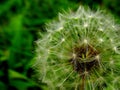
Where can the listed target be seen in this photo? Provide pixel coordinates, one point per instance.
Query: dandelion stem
(83, 83)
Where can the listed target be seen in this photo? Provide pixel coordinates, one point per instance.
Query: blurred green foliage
(20, 21)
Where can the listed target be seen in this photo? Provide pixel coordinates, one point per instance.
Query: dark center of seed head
(85, 58)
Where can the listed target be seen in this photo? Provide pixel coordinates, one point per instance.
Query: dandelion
(82, 55)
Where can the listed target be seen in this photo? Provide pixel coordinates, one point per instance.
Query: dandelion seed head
(77, 52)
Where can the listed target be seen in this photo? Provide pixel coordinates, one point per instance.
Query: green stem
(83, 83)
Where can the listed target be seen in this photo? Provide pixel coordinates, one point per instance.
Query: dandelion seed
(85, 25)
(60, 28)
(113, 26)
(101, 40)
(111, 40)
(115, 49)
(76, 17)
(62, 40)
(74, 55)
(48, 51)
(100, 29)
(111, 62)
(85, 41)
(97, 57)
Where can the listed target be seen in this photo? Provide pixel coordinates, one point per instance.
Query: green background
(20, 22)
